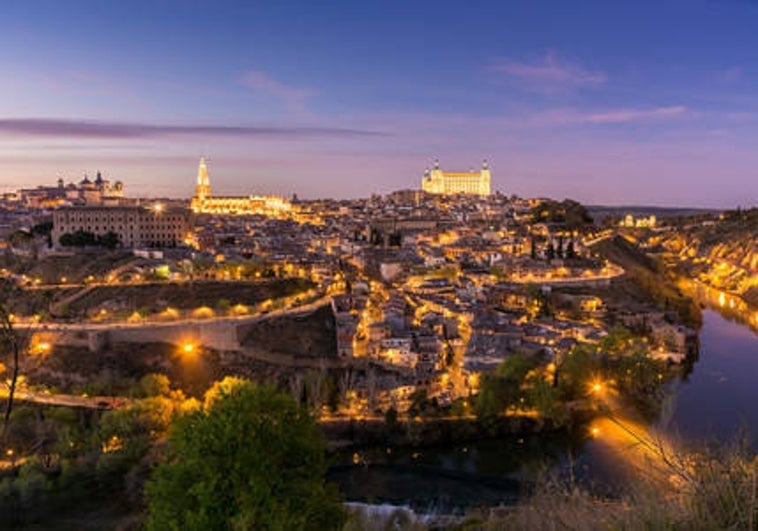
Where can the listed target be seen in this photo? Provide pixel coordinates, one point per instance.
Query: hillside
(722, 253)
(649, 276)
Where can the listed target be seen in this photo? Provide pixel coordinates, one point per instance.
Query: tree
(251, 458)
(80, 238)
(501, 388)
(570, 251)
(12, 346)
(576, 370)
(109, 240)
(550, 252)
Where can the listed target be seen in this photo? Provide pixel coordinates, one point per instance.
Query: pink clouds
(558, 117)
(293, 97)
(93, 129)
(632, 115)
(549, 71)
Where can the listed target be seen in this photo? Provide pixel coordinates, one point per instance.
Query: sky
(635, 103)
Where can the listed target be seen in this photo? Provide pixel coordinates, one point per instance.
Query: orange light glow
(43, 347)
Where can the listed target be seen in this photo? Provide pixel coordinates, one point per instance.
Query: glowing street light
(596, 387)
(42, 347)
(188, 348)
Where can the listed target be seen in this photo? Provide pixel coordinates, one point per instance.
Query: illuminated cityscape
(330, 336)
(204, 203)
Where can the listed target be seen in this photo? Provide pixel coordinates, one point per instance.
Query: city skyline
(646, 104)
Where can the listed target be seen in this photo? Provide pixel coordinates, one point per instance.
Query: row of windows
(160, 226)
(81, 219)
(161, 236)
(96, 229)
(89, 228)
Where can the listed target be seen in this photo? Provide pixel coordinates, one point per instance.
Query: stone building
(472, 182)
(135, 226)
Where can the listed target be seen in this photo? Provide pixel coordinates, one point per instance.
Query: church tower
(203, 189)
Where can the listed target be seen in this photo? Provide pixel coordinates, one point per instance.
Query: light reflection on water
(715, 401)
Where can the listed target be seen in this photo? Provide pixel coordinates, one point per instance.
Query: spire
(485, 166)
(436, 164)
(203, 188)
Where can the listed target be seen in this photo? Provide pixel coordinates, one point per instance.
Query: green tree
(251, 458)
(576, 371)
(501, 388)
(109, 240)
(42, 229)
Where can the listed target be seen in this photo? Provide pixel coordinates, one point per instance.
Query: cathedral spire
(203, 189)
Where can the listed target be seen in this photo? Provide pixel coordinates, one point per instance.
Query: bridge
(221, 333)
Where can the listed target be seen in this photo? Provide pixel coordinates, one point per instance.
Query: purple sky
(634, 104)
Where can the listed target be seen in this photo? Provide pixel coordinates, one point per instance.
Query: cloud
(634, 115)
(293, 97)
(555, 117)
(45, 127)
(549, 71)
(730, 76)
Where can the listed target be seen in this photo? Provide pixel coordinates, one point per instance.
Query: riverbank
(343, 434)
(708, 404)
(730, 305)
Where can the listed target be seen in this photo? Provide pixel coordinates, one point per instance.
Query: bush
(250, 459)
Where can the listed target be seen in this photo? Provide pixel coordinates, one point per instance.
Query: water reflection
(727, 304)
(714, 402)
(452, 478)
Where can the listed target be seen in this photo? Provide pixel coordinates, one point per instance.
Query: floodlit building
(436, 181)
(640, 222)
(95, 192)
(204, 203)
(135, 226)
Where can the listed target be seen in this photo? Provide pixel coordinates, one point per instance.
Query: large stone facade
(135, 226)
(437, 181)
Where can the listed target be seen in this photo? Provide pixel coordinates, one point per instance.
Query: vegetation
(567, 212)
(519, 383)
(250, 458)
(80, 460)
(651, 277)
(620, 361)
(12, 347)
(82, 238)
(247, 457)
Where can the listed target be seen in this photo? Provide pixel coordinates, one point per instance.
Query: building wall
(135, 226)
(263, 205)
(474, 183)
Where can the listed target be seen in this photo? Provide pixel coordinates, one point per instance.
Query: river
(714, 401)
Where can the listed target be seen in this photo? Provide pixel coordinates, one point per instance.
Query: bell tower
(203, 188)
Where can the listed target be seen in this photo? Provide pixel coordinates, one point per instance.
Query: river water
(715, 400)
